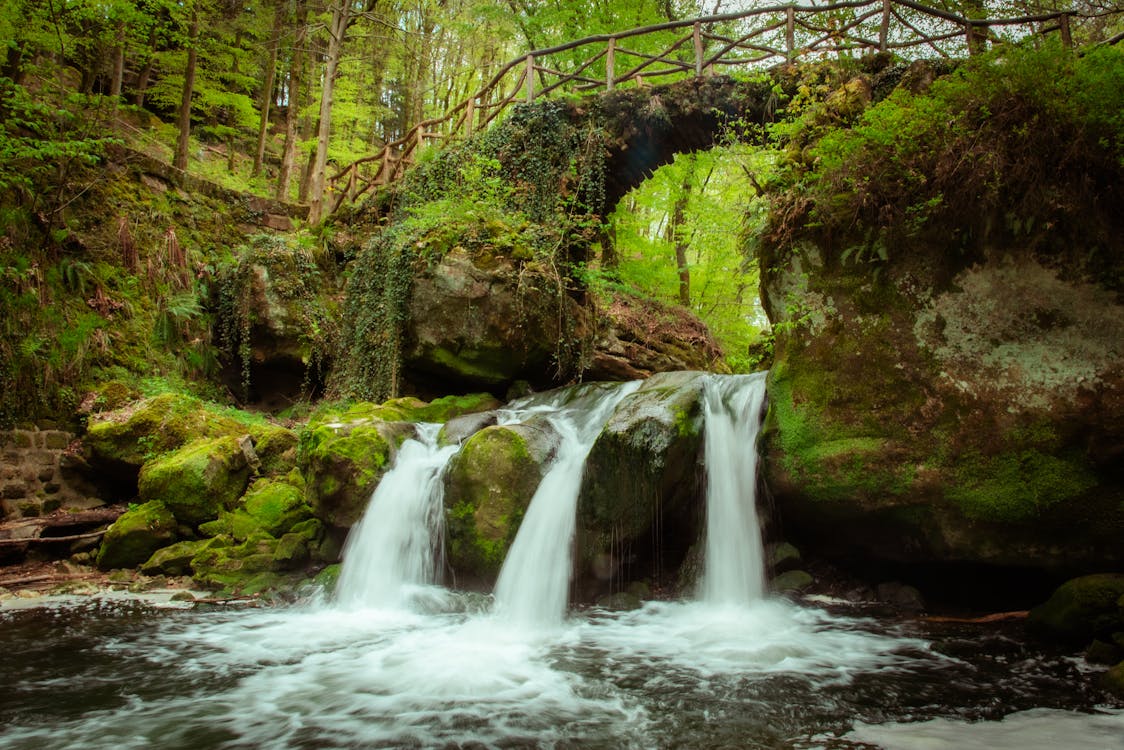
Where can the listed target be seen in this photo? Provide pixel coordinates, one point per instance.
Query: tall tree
(183, 117)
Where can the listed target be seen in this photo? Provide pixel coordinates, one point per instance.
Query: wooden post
(977, 38)
(470, 117)
(611, 64)
(790, 31)
(884, 30)
(530, 83)
(697, 33)
(1063, 27)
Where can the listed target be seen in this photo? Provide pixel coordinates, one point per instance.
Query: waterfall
(534, 580)
(399, 540)
(734, 572)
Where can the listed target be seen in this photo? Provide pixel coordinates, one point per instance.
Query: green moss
(198, 480)
(1082, 609)
(174, 560)
(479, 364)
(276, 506)
(488, 486)
(276, 448)
(137, 534)
(1018, 485)
(342, 465)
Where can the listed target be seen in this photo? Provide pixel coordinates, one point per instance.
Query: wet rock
(644, 471)
(173, 560)
(783, 557)
(1113, 680)
(1082, 609)
(900, 595)
(792, 581)
(488, 486)
(1103, 652)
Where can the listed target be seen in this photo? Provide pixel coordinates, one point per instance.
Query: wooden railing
(701, 47)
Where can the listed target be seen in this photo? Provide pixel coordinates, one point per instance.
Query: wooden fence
(699, 47)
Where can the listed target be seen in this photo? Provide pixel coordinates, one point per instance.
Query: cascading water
(734, 571)
(397, 543)
(534, 581)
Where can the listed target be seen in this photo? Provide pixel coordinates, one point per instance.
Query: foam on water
(1037, 729)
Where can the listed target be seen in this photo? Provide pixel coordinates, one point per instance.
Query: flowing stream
(382, 667)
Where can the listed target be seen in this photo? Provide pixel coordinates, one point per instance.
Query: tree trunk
(118, 66)
(267, 89)
(146, 71)
(676, 235)
(292, 114)
(341, 17)
(180, 160)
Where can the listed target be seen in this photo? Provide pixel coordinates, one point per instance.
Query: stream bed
(442, 671)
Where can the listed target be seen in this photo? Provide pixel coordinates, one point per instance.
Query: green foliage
(1012, 144)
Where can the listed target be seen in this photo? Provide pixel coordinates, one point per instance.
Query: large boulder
(642, 486)
(945, 410)
(136, 534)
(488, 321)
(488, 486)
(121, 441)
(200, 479)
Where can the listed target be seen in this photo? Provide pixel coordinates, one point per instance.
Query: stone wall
(34, 479)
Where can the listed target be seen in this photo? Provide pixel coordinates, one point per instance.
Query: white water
(534, 581)
(397, 544)
(734, 572)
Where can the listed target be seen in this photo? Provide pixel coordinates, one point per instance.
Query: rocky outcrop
(136, 535)
(639, 337)
(488, 321)
(947, 409)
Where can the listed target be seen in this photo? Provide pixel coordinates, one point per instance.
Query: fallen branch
(997, 617)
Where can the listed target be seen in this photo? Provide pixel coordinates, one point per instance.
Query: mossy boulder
(1082, 609)
(276, 506)
(136, 534)
(276, 448)
(1113, 680)
(342, 461)
(643, 473)
(173, 560)
(488, 485)
(199, 480)
(121, 441)
(223, 564)
(949, 409)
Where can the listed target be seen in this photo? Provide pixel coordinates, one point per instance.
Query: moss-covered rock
(173, 560)
(946, 410)
(199, 480)
(138, 533)
(643, 472)
(122, 441)
(276, 506)
(1113, 680)
(1082, 609)
(342, 463)
(223, 564)
(488, 486)
(276, 448)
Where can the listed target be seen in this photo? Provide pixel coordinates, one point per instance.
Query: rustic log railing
(703, 46)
